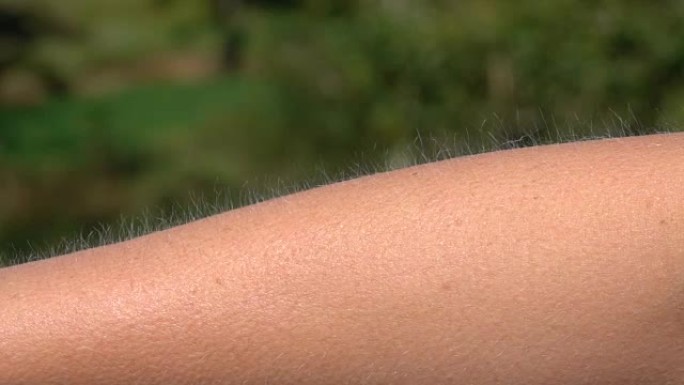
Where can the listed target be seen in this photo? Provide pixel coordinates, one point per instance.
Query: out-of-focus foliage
(108, 107)
(86, 47)
(442, 65)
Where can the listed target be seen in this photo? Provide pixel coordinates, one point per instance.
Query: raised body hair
(421, 150)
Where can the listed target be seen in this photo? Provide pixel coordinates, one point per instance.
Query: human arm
(558, 264)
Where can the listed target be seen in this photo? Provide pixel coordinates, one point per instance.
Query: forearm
(559, 264)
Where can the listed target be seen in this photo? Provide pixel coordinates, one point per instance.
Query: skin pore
(560, 264)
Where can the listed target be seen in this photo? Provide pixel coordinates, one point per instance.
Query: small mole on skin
(663, 222)
(446, 286)
(219, 281)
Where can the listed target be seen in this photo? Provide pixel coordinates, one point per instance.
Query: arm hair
(422, 150)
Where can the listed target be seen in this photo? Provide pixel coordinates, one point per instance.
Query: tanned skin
(560, 264)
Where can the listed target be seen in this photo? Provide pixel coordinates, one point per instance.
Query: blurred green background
(109, 108)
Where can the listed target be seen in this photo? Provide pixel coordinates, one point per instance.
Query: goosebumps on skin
(560, 264)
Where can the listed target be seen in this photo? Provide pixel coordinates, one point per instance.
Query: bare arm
(552, 265)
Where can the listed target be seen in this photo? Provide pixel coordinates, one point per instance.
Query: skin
(559, 264)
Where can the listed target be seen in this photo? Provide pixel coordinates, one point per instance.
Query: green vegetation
(111, 107)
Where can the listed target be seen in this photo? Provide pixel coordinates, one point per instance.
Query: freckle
(446, 286)
(414, 173)
(663, 222)
(535, 198)
(219, 281)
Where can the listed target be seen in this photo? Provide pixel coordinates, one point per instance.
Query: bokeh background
(109, 108)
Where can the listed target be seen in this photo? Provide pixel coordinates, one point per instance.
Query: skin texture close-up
(558, 264)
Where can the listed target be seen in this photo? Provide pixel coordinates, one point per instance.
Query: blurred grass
(139, 117)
